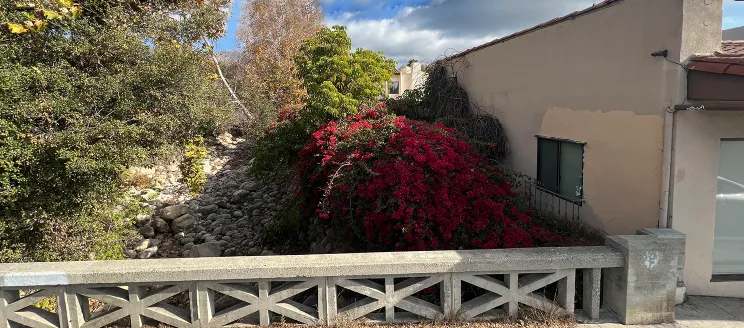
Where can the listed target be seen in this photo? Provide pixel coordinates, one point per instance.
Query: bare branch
(245, 110)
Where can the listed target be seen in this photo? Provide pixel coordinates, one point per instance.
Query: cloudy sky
(427, 29)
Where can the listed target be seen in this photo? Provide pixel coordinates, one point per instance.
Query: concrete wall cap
(294, 266)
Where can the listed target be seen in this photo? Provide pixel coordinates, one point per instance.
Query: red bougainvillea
(389, 183)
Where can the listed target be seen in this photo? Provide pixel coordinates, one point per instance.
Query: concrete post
(680, 239)
(512, 282)
(75, 310)
(590, 303)
(643, 290)
(446, 295)
(136, 308)
(202, 304)
(331, 301)
(7, 297)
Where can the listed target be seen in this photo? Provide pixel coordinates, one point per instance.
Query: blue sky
(427, 29)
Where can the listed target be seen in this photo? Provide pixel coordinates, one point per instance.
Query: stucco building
(406, 78)
(633, 109)
(736, 33)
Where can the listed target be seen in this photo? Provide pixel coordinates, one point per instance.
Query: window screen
(560, 167)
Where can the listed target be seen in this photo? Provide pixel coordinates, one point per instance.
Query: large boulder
(183, 223)
(173, 212)
(206, 250)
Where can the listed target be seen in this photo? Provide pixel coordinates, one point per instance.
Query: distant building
(405, 78)
(736, 33)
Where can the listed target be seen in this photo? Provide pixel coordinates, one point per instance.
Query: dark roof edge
(573, 15)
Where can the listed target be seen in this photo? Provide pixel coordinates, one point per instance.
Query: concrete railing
(315, 289)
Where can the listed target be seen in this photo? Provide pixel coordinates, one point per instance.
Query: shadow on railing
(542, 200)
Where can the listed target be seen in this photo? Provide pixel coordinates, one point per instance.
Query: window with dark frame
(394, 87)
(560, 167)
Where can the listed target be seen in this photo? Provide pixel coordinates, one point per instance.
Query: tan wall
(621, 164)
(697, 142)
(590, 79)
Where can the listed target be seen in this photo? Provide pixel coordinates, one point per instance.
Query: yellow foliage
(50, 14)
(16, 28)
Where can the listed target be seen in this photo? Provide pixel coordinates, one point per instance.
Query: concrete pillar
(680, 239)
(331, 301)
(202, 304)
(7, 297)
(136, 308)
(512, 307)
(590, 300)
(389, 301)
(75, 310)
(263, 295)
(643, 290)
(567, 291)
(446, 295)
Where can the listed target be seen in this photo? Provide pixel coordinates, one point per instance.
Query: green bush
(338, 83)
(191, 167)
(338, 80)
(84, 98)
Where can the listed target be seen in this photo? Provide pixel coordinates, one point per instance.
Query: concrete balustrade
(316, 289)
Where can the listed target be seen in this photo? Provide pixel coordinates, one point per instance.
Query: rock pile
(228, 219)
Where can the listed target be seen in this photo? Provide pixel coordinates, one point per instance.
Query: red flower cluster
(393, 183)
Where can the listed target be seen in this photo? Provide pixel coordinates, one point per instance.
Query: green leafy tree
(338, 80)
(101, 86)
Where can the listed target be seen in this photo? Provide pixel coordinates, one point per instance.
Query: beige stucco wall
(697, 142)
(621, 164)
(590, 79)
(410, 77)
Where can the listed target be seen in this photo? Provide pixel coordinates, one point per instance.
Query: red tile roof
(719, 63)
(573, 15)
(733, 47)
(729, 61)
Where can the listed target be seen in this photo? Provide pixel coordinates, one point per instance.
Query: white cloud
(448, 26)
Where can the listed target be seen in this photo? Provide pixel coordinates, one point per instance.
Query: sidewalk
(699, 312)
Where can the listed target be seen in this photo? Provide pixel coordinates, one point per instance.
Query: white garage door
(728, 252)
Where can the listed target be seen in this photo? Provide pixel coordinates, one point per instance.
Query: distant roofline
(573, 15)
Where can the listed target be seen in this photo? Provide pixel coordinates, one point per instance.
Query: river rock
(142, 220)
(249, 186)
(173, 212)
(148, 253)
(183, 223)
(206, 250)
(141, 245)
(209, 209)
(147, 232)
(160, 225)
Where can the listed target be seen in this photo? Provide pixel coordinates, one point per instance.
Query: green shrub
(278, 149)
(84, 98)
(192, 169)
(337, 80)
(338, 83)
(284, 233)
